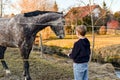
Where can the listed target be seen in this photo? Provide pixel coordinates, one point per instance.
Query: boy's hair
(81, 29)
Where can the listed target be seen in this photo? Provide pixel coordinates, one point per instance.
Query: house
(78, 13)
(113, 24)
(113, 27)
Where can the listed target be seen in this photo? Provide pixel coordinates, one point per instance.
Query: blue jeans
(80, 71)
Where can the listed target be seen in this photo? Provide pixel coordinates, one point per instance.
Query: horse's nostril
(60, 37)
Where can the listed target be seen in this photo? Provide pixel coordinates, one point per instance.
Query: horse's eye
(63, 22)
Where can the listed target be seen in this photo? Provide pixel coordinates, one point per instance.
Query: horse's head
(48, 18)
(57, 25)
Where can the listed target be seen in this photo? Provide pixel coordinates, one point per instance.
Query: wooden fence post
(41, 45)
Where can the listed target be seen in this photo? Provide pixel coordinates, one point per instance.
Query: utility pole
(3, 4)
(1, 7)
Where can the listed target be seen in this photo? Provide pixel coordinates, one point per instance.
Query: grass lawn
(68, 41)
(50, 68)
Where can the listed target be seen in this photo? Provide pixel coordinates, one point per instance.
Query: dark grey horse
(20, 32)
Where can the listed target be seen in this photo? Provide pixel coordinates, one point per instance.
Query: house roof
(113, 24)
(81, 11)
(78, 13)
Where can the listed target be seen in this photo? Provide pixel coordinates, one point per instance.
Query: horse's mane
(37, 12)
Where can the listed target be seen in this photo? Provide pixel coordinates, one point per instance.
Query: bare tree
(3, 5)
(31, 5)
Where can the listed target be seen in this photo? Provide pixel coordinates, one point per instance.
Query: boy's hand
(68, 55)
(69, 51)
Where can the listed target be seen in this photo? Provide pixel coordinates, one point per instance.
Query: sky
(113, 5)
(65, 5)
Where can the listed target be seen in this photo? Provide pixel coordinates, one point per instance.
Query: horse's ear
(63, 13)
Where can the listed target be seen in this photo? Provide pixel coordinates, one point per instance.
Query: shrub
(102, 30)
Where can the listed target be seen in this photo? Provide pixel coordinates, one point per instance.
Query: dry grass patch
(100, 41)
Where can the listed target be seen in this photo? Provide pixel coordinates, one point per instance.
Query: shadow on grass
(52, 50)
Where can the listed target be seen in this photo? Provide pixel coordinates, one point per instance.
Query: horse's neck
(39, 22)
(42, 22)
(38, 28)
(47, 18)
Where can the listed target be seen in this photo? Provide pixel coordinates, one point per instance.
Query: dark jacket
(81, 51)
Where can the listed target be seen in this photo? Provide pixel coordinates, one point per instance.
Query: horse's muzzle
(61, 36)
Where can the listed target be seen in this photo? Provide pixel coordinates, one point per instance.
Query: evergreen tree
(55, 7)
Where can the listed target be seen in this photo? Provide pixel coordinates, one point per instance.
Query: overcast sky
(64, 5)
(113, 5)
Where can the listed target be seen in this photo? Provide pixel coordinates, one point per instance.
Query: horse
(20, 31)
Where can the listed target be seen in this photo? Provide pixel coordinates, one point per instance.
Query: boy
(80, 54)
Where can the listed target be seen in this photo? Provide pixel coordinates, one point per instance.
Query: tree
(102, 30)
(117, 15)
(104, 5)
(30, 5)
(55, 7)
(87, 20)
